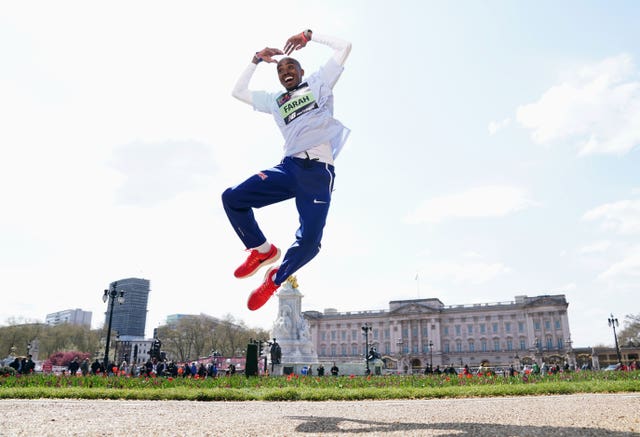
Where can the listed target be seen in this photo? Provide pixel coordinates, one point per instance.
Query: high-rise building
(130, 317)
(73, 317)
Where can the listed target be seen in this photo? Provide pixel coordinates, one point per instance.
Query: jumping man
(312, 140)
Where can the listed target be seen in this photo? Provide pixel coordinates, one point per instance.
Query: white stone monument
(291, 330)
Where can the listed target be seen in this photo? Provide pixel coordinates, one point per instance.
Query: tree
(51, 339)
(630, 333)
(193, 337)
(64, 358)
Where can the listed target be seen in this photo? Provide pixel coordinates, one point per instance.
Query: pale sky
(495, 152)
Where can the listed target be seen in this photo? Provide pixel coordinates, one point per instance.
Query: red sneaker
(261, 295)
(255, 260)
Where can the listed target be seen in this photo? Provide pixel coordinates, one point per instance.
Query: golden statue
(293, 281)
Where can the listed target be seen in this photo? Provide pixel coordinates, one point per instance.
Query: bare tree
(630, 333)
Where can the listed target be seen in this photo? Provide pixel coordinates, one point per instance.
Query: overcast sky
(494, 152)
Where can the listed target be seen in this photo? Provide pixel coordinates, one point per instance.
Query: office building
(73, 317)
(130, 317)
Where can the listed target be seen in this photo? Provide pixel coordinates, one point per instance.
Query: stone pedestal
(291, 330)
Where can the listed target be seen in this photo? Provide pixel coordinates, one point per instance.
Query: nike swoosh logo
(318, 201)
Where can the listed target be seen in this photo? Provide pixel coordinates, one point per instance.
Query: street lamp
(115, 351)
(538, 346)
(111, 295)
(431, 354)
(569, 352)
(613, 322)
(366, 328)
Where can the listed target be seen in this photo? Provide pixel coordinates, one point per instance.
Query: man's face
(290, 73)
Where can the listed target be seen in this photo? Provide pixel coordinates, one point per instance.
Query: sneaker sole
(264, 263)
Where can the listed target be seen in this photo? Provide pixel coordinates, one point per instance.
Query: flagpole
(418, 284)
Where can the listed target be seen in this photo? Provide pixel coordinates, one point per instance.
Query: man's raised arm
(341, 48)
(241, 89)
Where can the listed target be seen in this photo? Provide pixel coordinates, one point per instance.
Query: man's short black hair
(295, 61)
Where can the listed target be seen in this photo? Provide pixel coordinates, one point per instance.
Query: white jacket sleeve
(241, 89)
(341, 47)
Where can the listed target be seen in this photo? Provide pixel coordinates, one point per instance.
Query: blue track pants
(309, 182)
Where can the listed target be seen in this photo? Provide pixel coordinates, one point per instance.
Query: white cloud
(598, 108)
(629, 266)
(465, 273)
(622, 217)
(480, 202)
(597, 247)
(496, 126)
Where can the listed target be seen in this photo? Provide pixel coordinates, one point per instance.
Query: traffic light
(155, 349)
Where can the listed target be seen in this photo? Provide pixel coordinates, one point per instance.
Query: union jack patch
(262, 176)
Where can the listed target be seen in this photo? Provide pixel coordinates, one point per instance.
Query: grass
(312, 388)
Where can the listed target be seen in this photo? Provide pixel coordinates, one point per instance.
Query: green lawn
(313, 388)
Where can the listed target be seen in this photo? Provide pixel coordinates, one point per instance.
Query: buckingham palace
(412, 334)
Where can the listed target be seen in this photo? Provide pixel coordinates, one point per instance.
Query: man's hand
(296, 42)
(266, 54)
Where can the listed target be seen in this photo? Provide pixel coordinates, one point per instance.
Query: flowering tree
(64, 358)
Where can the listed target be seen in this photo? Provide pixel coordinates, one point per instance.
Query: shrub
(7, 371)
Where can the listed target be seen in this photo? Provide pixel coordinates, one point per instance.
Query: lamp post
(115, 350)
(613, 322)
(538, 347)
(431, 354)
(111, 295)
(569, 353)
(365, 329)
(400, 347)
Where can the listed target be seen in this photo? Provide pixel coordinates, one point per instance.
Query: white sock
(264, 247)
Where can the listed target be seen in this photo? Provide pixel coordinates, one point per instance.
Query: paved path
(548, 416)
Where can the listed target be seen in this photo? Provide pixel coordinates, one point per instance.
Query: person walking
(312, 140)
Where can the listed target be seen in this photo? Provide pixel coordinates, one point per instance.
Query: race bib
(294, 103)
